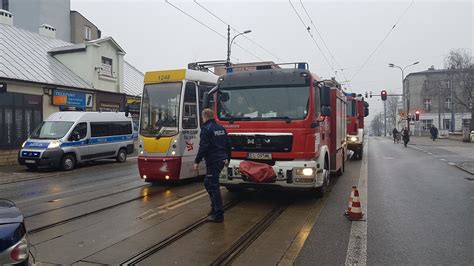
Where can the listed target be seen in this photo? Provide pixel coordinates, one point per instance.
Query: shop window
(20, 114)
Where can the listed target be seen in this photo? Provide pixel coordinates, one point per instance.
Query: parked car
(67, 138)
(14, 246)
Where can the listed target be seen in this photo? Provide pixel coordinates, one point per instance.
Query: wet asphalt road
(420, 209)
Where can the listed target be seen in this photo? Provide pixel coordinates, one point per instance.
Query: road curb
(465, 169)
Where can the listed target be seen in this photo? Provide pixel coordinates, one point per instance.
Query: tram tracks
(144, 254)
(64, 221)
(237, 248)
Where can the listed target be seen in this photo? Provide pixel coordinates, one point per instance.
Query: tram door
(190, 131)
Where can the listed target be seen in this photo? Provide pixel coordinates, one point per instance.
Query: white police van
(67, 138)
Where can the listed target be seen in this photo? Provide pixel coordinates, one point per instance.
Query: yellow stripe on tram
(154, 145)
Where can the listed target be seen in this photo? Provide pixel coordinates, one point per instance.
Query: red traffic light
(417, 115)
(383, 95)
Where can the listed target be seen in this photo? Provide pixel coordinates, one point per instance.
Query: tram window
(190, 107)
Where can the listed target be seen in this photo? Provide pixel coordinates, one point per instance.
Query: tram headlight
(173, 153)
(167, 177)
(306, 171)
(144, 176)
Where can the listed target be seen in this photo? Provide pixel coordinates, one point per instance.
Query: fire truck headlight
(304, 171)
(354, 139)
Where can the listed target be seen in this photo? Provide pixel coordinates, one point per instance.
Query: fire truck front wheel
(234, 189)
(320, 191)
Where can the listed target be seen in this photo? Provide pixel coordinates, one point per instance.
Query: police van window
(103, 129)
(81, 130)
(190, 106)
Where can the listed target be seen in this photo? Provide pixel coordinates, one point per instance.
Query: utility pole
(385, 117)
(453, 124)
(227, 63)
(439, 108)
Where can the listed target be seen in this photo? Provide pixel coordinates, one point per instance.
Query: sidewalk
(464, 151)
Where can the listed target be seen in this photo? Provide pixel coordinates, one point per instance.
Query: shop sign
(133, 105)
(69, 98)
(109, 107)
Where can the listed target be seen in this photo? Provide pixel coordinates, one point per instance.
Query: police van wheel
(121, 156)
(68, 162)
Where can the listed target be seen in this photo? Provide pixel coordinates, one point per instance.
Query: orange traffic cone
(355, 213)
(350, 199)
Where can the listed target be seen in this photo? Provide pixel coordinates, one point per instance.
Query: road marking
(388, 158)
(451, 163)
(444, 160)
(357, 247)
(430, 153)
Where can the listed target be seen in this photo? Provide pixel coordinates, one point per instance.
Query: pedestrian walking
(433, 132)
(395, 133)
(215, 149)
(405, 136)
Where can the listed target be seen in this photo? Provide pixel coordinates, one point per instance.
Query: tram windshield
(160, 109)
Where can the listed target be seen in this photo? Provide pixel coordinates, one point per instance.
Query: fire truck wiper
(286, 118)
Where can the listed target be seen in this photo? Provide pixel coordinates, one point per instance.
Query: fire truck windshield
(263, 103)
(160, 109)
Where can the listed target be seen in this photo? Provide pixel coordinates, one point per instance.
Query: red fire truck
(287, 119)
(357, 109)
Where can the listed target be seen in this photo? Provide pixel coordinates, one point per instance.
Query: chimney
(6, 17)
(47, 30)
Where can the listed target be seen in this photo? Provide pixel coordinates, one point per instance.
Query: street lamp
(229, 43)
(406, 94)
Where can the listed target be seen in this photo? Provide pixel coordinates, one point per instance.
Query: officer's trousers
(211, 183)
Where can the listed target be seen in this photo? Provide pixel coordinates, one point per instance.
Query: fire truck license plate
(259, 156)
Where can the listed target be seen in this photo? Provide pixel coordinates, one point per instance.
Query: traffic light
(417, 115)
(383, 94)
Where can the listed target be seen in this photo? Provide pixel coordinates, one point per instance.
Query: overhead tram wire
(211, 29)
(325, 44)
(312, 37)
(245, 36)
(383, 40)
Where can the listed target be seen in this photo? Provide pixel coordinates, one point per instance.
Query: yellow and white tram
(170, 123)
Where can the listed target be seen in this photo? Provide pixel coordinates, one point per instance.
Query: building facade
(433, 93)
(82, 30)
(30, 14)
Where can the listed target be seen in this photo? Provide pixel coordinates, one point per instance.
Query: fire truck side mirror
(325, 96)
(366, 111)
(326, 111)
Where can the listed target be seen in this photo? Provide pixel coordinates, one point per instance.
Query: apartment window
(466, 122)
(426, 124)
(447, 124)
(427, 104)
(87, 33)
(448, 104)
(106, 67)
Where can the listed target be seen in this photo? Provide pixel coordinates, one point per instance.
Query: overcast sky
(157, 36)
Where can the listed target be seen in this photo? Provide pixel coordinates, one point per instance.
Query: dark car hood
(9, 213)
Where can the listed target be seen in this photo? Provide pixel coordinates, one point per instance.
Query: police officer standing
(215, 148)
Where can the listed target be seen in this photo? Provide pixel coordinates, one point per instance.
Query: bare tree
(461, 64)
(392, 112)
(377, 125)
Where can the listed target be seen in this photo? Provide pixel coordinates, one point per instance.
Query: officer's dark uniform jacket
(214, 145)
